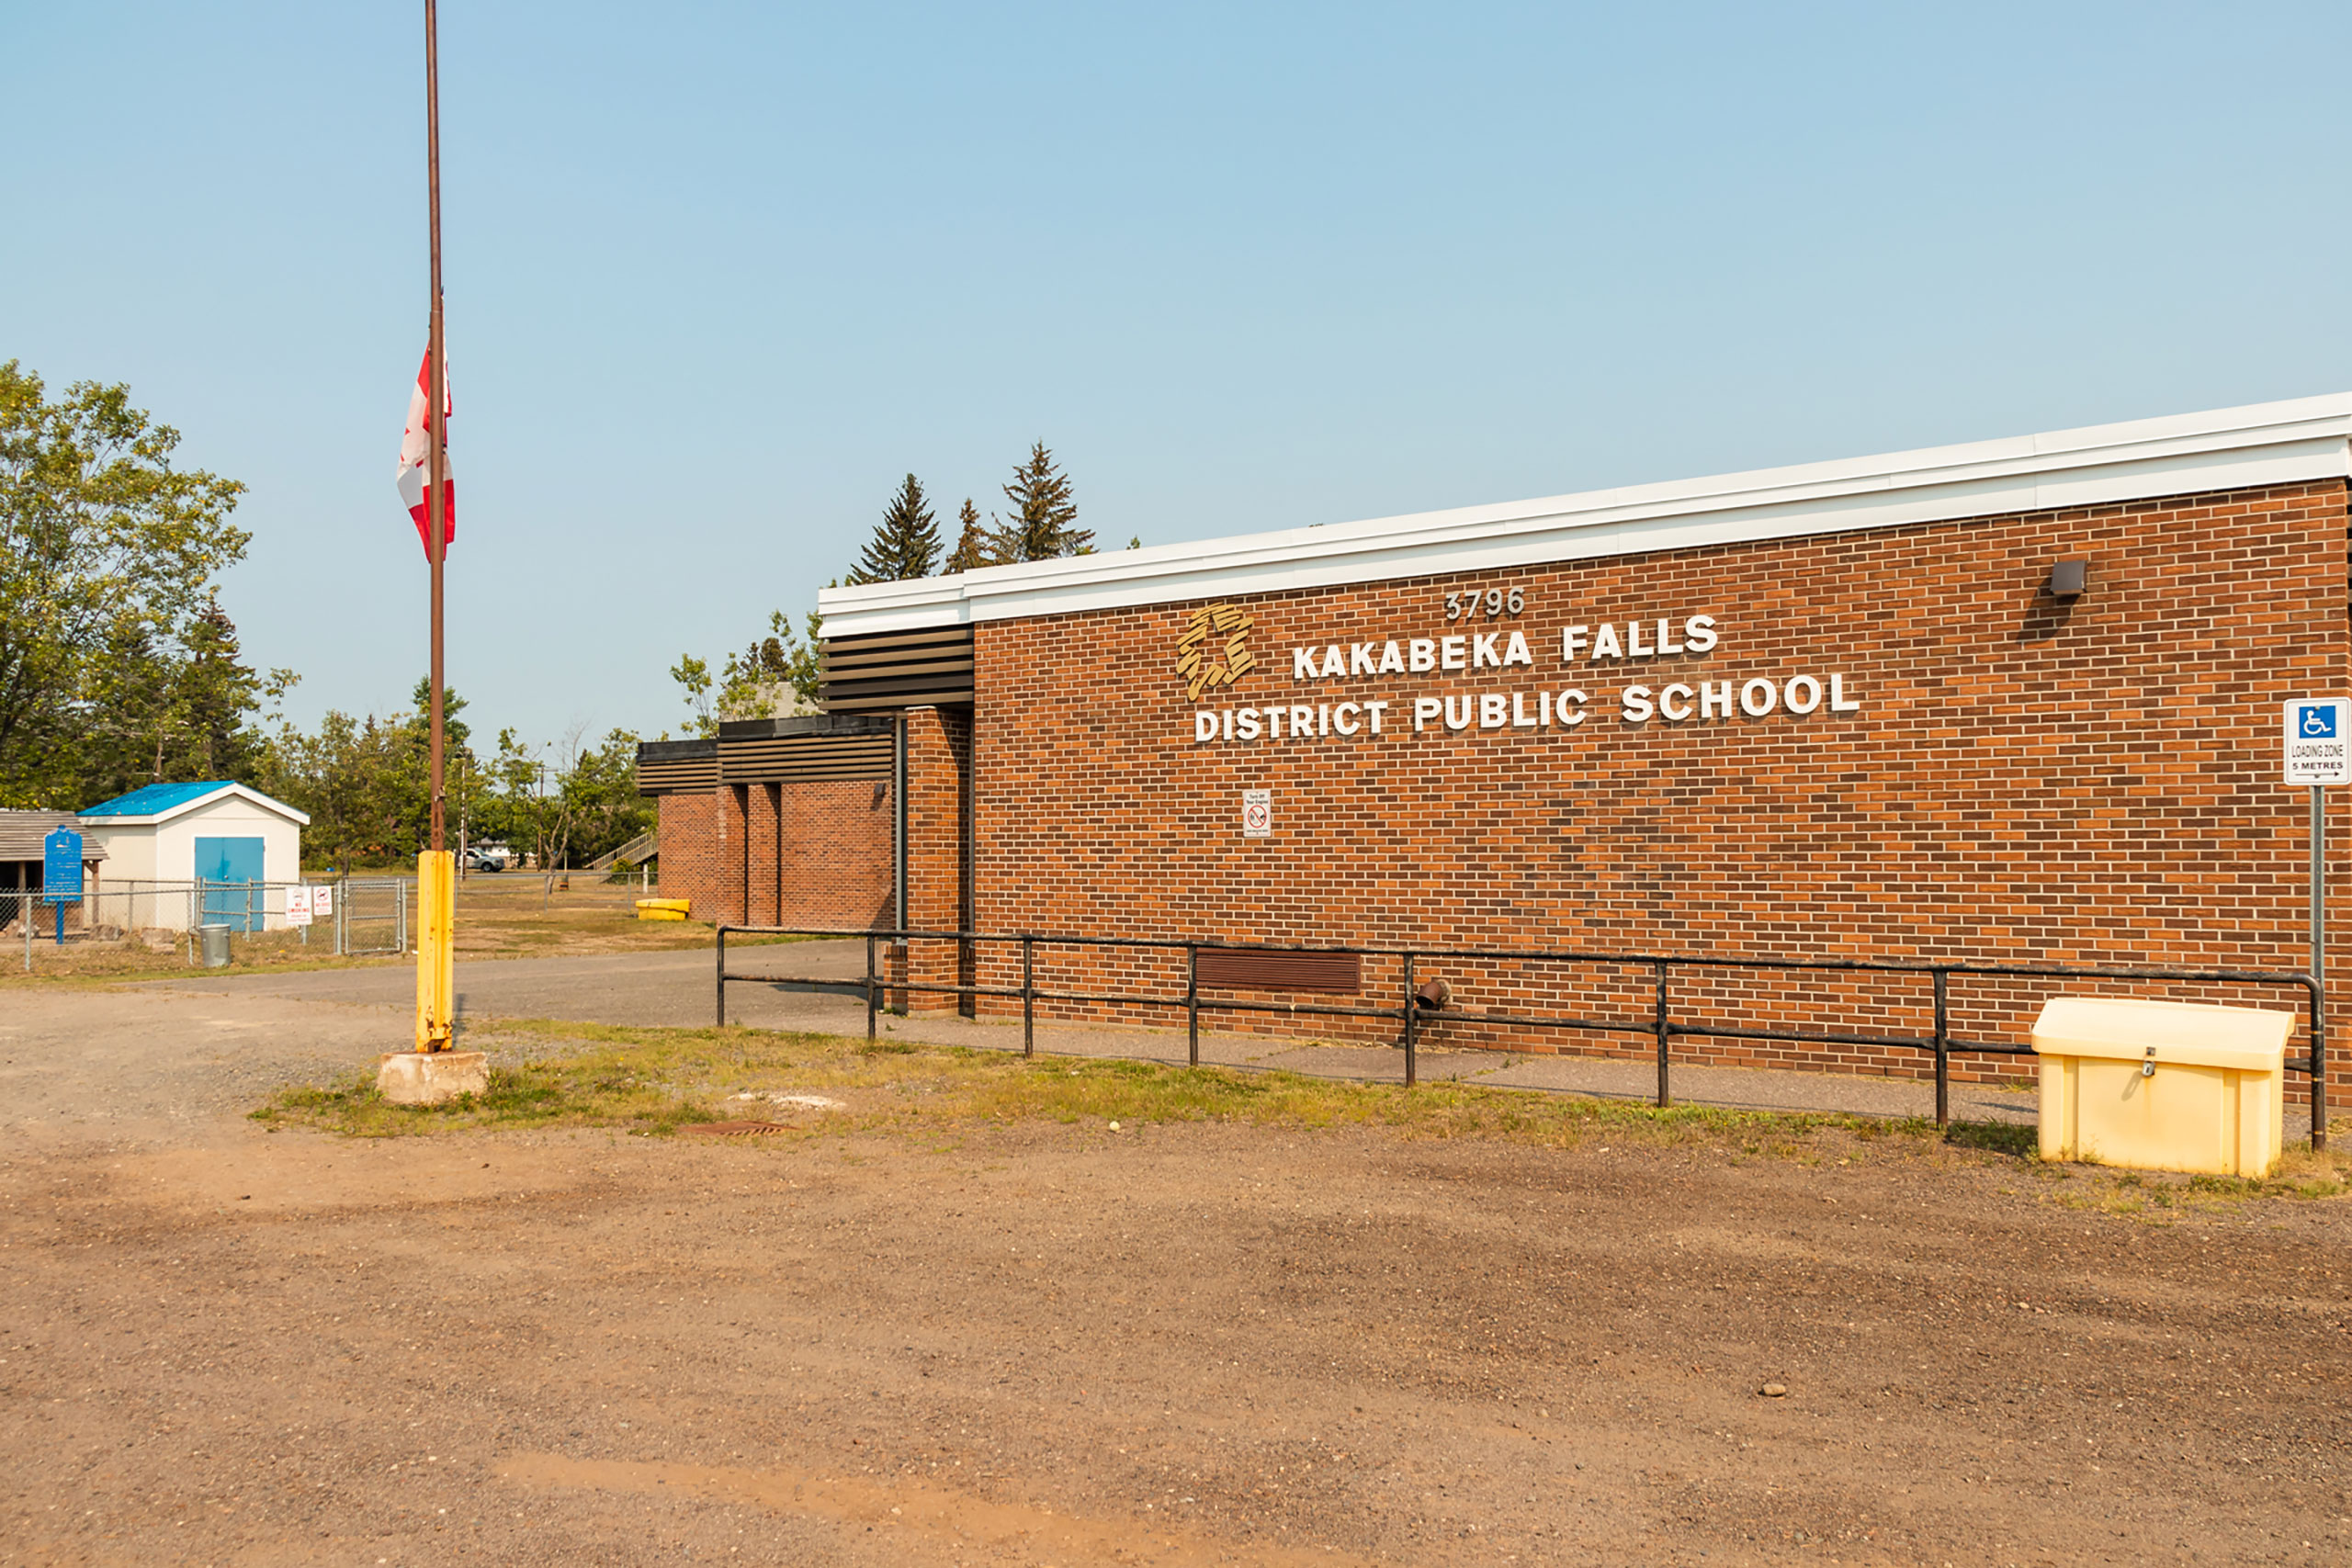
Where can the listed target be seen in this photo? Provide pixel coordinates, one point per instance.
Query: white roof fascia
(252, 795)
(2262, 444)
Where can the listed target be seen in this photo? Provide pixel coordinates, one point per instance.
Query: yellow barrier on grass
(663, 908)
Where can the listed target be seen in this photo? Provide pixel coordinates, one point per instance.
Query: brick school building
(2014, 701)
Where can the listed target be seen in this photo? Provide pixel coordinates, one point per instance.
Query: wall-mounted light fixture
(2068, 578)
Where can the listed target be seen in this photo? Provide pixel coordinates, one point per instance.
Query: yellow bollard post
(436, 893)
(434, 1073)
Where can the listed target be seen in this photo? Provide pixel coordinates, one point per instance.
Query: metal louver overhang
(806, 757)
(767, 750)
(896, 670)
(674, 767)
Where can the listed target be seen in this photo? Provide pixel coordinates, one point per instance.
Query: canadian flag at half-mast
(416, 459)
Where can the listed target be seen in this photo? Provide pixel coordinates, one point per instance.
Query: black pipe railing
(1660, 1027)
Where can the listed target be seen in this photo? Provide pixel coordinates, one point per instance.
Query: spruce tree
(905, 542)
(216, 693)
(974, 547)
(1044, 523)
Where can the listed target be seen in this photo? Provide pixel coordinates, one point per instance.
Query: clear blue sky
(719, 275)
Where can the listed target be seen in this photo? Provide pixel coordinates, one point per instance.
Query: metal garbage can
(2162, 1085)
(216, 946)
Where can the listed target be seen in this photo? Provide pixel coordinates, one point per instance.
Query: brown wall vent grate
(1255, 969)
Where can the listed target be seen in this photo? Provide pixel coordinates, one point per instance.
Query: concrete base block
(418, 1078)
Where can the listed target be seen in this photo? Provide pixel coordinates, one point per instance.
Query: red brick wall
(2024, 780)
(821, 852)
(836, 872)
(690, 848)
(939, 752)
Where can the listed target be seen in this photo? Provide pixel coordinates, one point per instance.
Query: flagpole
(437, 399)
(436, 886)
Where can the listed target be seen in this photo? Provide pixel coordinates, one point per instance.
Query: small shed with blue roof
(233, 839)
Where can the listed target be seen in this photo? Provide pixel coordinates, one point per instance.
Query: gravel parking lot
(1061, 1343)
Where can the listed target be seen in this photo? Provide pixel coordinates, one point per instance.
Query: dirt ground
(1067, 1345)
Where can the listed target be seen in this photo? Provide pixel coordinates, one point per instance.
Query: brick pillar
(761, 827)
(939, 764)
(733, 836)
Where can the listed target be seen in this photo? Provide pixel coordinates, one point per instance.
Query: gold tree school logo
(1215, 649)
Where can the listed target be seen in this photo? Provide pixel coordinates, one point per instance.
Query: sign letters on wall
(1592, 662)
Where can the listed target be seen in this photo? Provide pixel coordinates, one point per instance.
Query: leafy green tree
(773, 677)
(455, 731)
(975, 547)
(600, 800)
(413, 781)
(776, 675)
(155, 714)
(366, 782)
(695, 676)
(127, 718)
(571, 808)
(1044, 521)
(353, 777)
(524, 814)
(905, 542)
(107, 556)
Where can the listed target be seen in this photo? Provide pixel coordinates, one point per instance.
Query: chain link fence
(345, 915)
(371, 914)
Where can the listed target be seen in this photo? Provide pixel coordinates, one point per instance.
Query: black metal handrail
(1660, 1025)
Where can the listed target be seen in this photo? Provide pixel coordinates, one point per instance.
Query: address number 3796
(1492, 601)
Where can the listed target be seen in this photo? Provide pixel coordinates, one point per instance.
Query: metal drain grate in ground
(735, 1129)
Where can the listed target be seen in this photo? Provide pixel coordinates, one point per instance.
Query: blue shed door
(232, 860)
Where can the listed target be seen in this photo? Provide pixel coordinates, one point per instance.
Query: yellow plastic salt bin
(2162, 1085)
(663, 909)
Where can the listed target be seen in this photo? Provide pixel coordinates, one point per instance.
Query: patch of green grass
(2018, 1138)
(654, 1080)
(2159, 1194)
(531, 1094)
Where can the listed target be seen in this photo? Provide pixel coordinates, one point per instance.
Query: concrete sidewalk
(677, 990)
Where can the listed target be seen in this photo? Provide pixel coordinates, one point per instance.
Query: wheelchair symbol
(2318, 721)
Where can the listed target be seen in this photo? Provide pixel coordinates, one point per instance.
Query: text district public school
(1676, 702)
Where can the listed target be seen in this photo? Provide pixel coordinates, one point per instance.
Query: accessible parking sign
(2319, 742)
